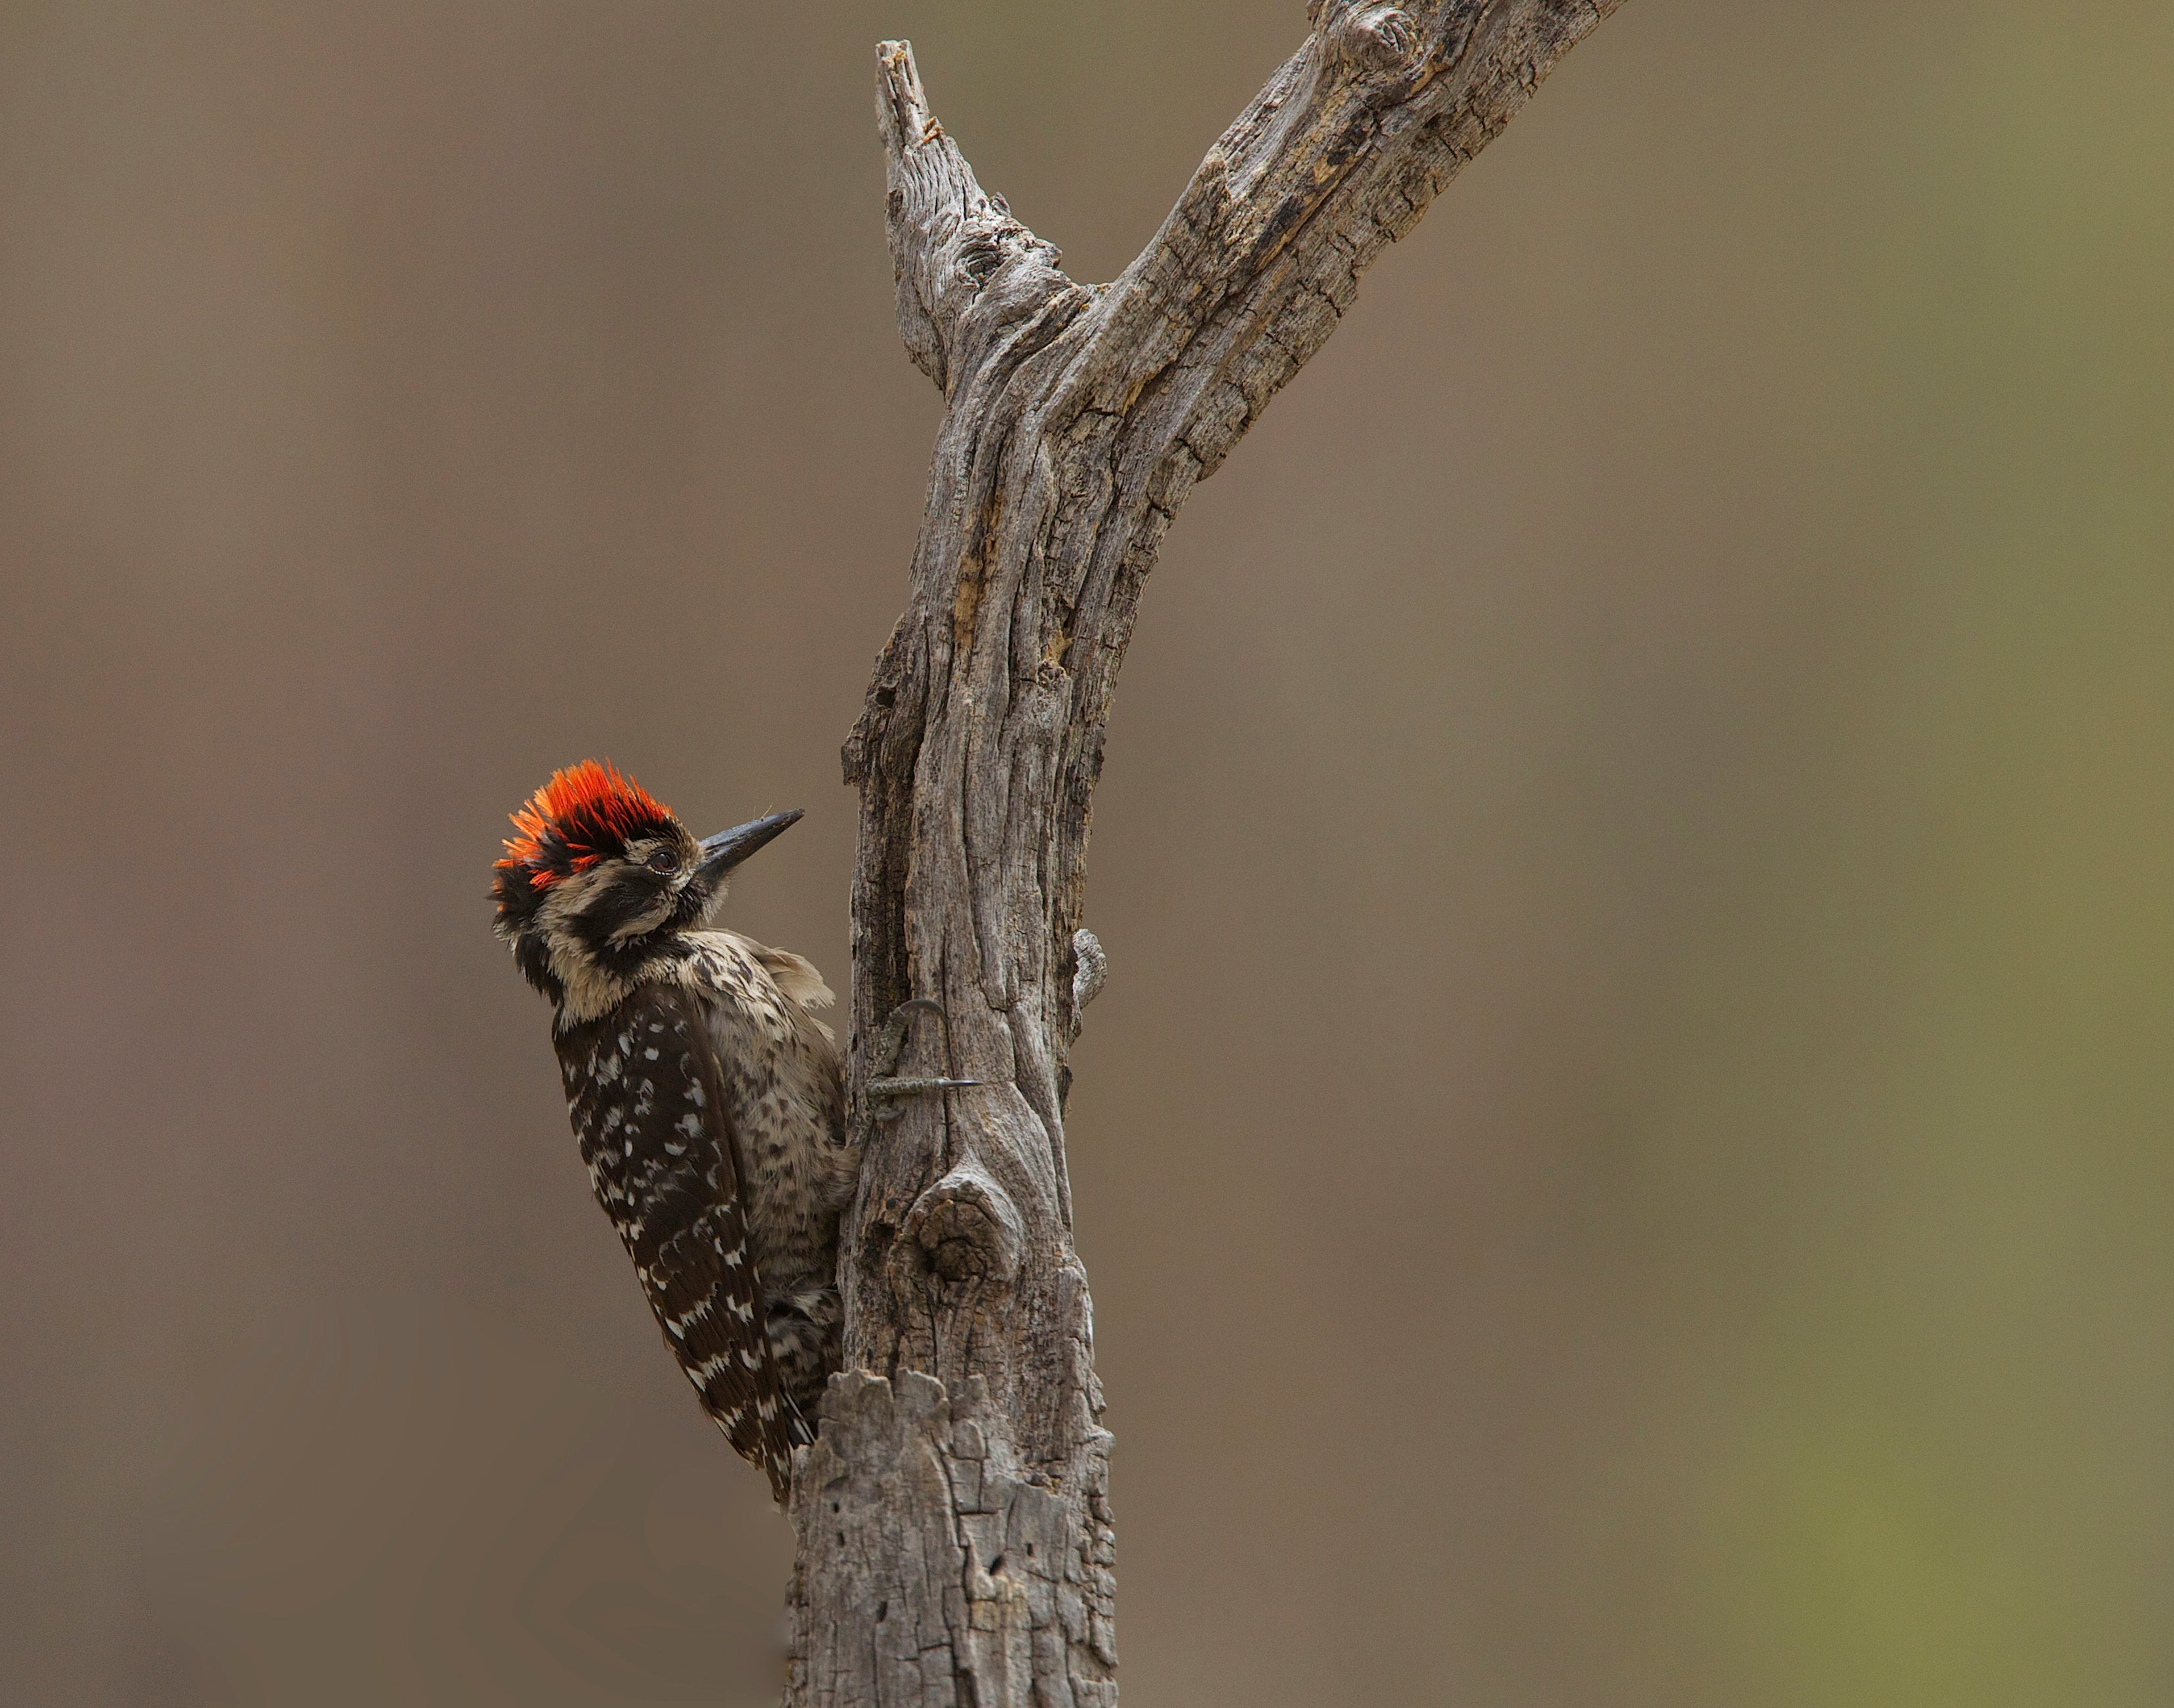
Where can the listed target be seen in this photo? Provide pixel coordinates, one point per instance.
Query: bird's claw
(883, 1090)
(891, 1040)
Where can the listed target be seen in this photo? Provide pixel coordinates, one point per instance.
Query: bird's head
(600, 877)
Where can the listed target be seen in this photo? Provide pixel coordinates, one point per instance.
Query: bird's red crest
(583, 810)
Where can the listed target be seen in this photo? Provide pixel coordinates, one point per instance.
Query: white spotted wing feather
(649, 1107)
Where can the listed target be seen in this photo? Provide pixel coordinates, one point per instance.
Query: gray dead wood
(953, 1521)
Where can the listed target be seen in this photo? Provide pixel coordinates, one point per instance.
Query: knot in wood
(981, 253)
(966, 1227)
(1372, 39)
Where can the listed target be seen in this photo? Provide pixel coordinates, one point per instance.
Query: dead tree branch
(955, 1535)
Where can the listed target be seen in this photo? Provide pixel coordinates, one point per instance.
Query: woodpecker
(707, 1097)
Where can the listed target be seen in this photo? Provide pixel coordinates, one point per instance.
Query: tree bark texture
(952, 1524)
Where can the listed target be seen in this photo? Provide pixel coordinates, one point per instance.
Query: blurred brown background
(1625, 1159)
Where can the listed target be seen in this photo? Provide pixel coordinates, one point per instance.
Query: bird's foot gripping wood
(885, 1092)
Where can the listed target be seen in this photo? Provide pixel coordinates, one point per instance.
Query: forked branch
(955, 1532)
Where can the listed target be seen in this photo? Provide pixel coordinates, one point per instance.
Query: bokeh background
(1626, 1156)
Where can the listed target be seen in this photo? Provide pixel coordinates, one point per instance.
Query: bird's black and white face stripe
(643, 890)
(602, 881)
(594, 930)
(597, 877)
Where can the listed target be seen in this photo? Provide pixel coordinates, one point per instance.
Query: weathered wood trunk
(954, 1526)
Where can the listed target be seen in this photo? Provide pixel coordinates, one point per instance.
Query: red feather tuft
(579, 806)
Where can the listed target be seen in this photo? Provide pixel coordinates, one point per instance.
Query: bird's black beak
(727, 848)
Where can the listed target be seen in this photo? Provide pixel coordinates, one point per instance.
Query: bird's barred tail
(764, 1440)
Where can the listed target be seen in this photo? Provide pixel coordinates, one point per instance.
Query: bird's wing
(794, 974)
(647, 1098)
(802, 986)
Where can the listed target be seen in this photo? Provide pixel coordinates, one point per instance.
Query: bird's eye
(663, 862)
